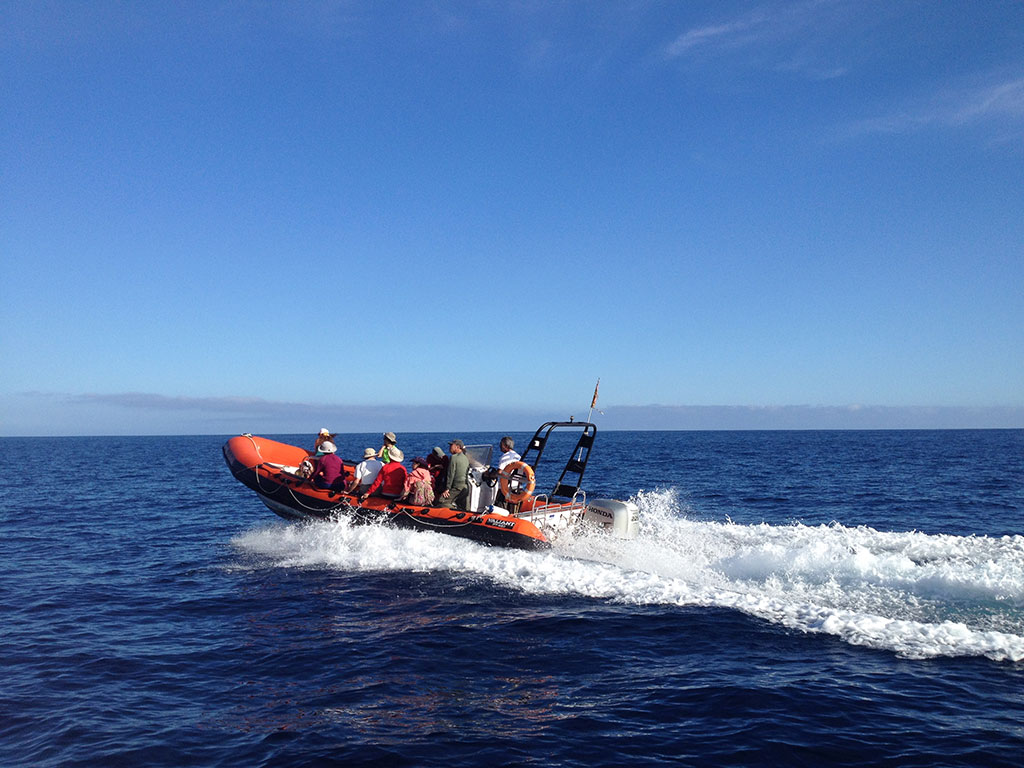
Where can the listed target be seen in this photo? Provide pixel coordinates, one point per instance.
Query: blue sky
(234, 216)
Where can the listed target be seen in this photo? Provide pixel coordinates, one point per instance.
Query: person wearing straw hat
(366, 472)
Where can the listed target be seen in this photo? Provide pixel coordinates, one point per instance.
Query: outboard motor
(619, 518)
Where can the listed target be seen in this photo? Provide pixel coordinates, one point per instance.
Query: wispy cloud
(1005, 99)
(995, 101)
(825, 39)
(745, 30)
(808, 39)
(790, 36)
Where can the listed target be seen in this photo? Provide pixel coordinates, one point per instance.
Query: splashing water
(915, 594)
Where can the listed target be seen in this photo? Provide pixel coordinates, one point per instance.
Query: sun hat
(395, 454)
(390, 436)
(369, 453)
(327, 447)
(324, 431)
(419, 461)
(438, 452)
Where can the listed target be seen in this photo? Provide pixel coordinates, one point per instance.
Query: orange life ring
(524, 489)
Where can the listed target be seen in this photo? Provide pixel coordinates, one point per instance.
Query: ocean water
(794, 598)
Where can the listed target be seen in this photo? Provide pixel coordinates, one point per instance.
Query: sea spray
(916, 594)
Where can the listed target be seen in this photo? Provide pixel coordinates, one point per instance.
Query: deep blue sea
(794, 598)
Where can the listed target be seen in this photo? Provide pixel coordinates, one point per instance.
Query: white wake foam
(916, 594)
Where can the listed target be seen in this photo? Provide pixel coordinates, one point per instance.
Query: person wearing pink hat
(419, 488)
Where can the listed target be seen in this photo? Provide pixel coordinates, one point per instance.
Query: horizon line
(38, 414)
(520, 431)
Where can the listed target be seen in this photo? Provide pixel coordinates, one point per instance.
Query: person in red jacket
(390, 481)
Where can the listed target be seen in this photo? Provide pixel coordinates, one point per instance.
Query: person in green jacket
(456, 483)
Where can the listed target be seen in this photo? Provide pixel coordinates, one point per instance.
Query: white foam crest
(916, 594)
(381, 548)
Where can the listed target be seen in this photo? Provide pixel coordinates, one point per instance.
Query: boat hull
(261, 465)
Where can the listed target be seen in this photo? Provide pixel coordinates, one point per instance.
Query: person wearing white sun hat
(329, 466)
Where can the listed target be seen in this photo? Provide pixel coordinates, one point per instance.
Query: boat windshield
(479, 456)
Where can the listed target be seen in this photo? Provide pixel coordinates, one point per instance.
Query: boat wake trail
(914, 594)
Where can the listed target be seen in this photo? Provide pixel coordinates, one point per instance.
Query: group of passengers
(438, 479)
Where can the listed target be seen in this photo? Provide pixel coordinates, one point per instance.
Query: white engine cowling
(619, 518)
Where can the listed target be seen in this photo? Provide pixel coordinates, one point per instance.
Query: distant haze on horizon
(146, 414)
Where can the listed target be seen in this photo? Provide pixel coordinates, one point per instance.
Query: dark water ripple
(138, 632)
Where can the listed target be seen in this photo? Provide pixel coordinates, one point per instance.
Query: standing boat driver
(507, 454)
(456, 486)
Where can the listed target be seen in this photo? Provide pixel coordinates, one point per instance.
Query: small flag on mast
(593, 402)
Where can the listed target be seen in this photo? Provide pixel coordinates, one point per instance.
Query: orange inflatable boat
(515, 518)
